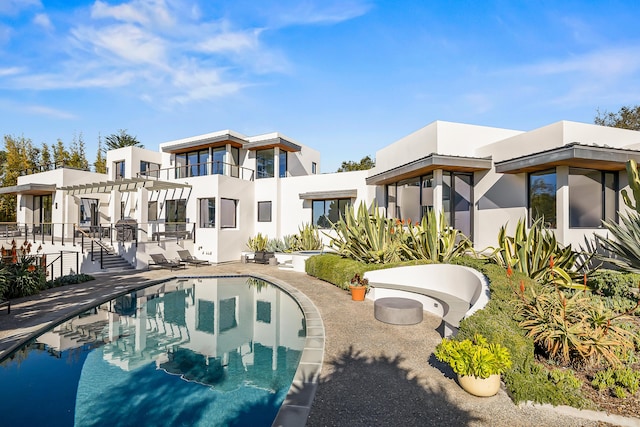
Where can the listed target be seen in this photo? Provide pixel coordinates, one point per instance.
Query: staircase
(110, 260)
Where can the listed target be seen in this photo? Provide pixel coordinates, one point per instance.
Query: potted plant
(477, 363)
(359, 287)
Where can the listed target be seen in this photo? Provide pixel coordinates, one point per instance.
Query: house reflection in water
(216, 331)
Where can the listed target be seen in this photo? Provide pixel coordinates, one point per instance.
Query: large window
(119, 168)
(410, 198)
(205, 320)
(457, 197)
(228, 316)
(264, 211)
(592, 197)
(176, 215)
(152, 212)
(264, 163)
(228, 213)
(542, 197)
(149, 169)
(193, 163)
(326, 212)
(234, 161)
(207, 213)
(282, 162)
(218, 159)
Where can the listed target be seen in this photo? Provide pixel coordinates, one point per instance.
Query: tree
(45, 157)
(121, 139)
(77, 158)
(100, 164)
(627, 117)
(364, 164)
(60, 154)
(18, 156)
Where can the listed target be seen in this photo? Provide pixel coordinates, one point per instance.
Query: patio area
(373, 374)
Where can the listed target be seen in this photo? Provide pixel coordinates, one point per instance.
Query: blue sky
(345, 77)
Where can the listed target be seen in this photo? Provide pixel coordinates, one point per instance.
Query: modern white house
(211, 193)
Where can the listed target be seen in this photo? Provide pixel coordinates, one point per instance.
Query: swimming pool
(194, 351)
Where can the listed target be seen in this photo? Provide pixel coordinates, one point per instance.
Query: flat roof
(574, 154)
(330, 194)
(33, 189)
(428, 164)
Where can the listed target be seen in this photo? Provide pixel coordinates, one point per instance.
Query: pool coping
(296, 406)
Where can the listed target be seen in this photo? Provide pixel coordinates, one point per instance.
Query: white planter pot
(482, 387)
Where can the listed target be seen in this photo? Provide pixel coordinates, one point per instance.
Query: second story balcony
(200, 169)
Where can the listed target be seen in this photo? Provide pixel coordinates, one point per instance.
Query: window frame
(342, 203)
(270, 218)
(235, 216)
(530, 216)
(211, 222)
(603, 196)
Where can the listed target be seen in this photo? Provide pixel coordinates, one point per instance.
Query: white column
(562, 203)
(437, 192)
(142, 212)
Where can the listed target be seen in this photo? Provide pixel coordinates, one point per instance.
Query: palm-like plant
(368, 236)
(538, 254)
(625, 247)
(434, 240)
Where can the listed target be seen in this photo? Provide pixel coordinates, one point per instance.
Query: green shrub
(258, 243)
(338, 270)
(69, 279)
(617, 381)
(610, 283)
(22, 272)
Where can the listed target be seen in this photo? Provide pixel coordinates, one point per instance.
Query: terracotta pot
(358, 292)
(483, 387)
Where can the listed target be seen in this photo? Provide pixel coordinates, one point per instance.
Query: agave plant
(625, 246)
(367, 236)
(258, 243)
(538, 254)
(308, 238)
(434, 240)
(634, 184)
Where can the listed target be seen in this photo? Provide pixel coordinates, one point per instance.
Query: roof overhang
(264, 144)
(123, 185)
(575, 155)
(330, 194)
(428, 164)
(211, 141)
(31, 189)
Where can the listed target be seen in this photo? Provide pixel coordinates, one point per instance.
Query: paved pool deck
(373, 374)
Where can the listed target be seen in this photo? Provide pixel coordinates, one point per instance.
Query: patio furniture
(186, 257)
(398, 311)
(161, 261)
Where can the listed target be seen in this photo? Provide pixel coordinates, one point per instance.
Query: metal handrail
(214, 167)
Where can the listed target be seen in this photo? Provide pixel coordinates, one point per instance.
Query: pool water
(189, 352)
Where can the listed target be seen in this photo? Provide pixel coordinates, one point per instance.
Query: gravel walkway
(374, 374)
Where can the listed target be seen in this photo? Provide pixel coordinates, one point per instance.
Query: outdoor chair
(186, 257)
(161, 261)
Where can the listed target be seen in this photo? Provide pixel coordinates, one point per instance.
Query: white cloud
(144, 12)
(230, 42)
(127, 42)
(47, 111)
(42, 19)
(320, 12)
(13, 7)
(11, 71)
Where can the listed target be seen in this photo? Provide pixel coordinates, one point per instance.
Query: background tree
(60, 154)
(77, 158)
(45, 157)
(19, 155)
(364, 164)
(100, 164)
(121, 139)
(628, 117)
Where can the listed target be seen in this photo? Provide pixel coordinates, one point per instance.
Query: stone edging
(586, 414)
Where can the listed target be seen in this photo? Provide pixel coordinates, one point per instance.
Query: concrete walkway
(374, 374)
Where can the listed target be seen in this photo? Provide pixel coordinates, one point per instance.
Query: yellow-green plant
(538, 254)
(258, 243)
(573, 329)
(624, 247)
(367, 236)
(634, 184)
(617, 381)
(474, 357)
(308, 238)
(434, 240)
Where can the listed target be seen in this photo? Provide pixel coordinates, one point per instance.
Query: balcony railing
(54, 166)
(200, 169)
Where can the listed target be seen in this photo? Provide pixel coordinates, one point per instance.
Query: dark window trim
(270, 211)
